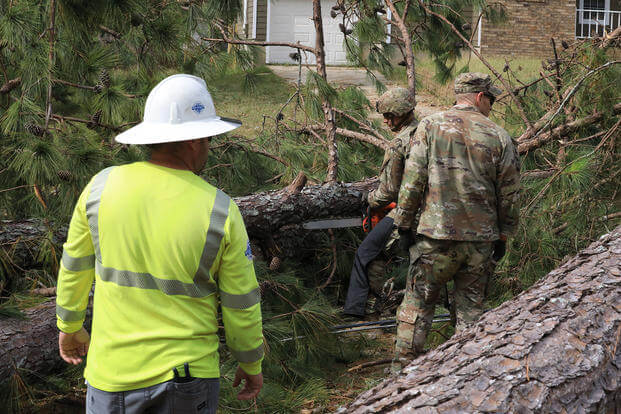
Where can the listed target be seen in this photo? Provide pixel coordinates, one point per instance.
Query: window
(594, 12)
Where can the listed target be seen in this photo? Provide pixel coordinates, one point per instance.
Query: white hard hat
(179, 108)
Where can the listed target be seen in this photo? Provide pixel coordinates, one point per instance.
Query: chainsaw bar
(333, 223)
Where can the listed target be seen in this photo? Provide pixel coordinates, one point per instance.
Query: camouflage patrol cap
(398, 101)
(473, 82)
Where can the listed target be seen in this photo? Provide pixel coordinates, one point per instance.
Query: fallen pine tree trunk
(273, 220)
(30, 345)
(553, 349)
(553, 345)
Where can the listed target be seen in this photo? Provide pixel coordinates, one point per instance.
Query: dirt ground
(351, 76)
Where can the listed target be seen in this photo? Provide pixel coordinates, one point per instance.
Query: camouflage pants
(377, 268)
(432, 264)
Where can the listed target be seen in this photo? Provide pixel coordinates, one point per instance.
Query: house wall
(249, 18)
(529, 26)
(261, 19)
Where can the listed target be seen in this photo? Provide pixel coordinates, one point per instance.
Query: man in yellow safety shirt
(164, 248)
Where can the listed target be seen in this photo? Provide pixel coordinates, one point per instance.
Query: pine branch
(254, 149)
(48, 104)
(370, 364)
(111, 32)
(329, 122)
(361, 124)
(10, 85)
(334, 261)
(538, 140)
(87, 121)
(226, 39)
(609, 134)
(571, 92)
(407, 43)
(74, 85)
(369, 139)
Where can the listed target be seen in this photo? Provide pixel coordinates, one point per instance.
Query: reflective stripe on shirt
(69, 315)
(203, 285)
(248, 356)
(77, 264)
(240, 301)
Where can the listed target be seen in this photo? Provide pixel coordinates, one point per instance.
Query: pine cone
(98, 88)
(34, 129)
(104, 78)
(65, 175)
(275, 263)
(94, 120)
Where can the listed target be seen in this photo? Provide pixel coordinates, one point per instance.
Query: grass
(431, 91)
(525, 69)
(234, 99)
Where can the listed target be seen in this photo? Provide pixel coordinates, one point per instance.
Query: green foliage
(302, 354)
(564, 212)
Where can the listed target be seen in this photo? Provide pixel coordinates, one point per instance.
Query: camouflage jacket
(392, 169)
(463, 174)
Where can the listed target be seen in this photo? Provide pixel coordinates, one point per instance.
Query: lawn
(234, 99)
(525, 69)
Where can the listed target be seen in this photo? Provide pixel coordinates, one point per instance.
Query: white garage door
(291, 21)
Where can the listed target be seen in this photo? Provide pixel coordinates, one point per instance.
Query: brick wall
(529, 26)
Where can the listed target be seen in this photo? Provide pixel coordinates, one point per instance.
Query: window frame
(603, 22)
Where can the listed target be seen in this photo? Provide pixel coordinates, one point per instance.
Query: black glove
(405, 239)
(500, 248)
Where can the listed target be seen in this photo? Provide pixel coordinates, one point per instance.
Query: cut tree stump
(553, 349)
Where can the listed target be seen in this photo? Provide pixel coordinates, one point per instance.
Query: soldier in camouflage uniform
(462, 172)
(369, 270)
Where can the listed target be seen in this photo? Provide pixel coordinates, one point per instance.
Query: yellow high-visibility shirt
(164, 248)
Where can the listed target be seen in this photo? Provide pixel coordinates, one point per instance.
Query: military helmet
(474, 82)
(397, 101)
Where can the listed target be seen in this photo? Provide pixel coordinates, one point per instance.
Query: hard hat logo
(198, 107)
(179, 108)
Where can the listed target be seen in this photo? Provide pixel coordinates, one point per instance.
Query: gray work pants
(199, 396)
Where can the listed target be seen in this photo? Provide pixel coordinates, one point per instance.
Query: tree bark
(328, 113)
(552, 349)
(407, 44)
(276, 215)
(31, 344)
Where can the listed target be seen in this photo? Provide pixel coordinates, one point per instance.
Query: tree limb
(571, 92)
(540, 139)
(407, 42)
(10, 85)
(369, 139)
(259, 43)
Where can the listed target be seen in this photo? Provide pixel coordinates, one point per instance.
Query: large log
(273, 220)
(31, 344)
(552, 349)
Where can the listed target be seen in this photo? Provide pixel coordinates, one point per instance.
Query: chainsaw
(368, 221)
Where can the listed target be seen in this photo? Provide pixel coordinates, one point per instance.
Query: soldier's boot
(404, 347)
